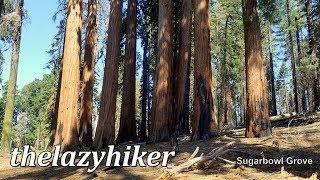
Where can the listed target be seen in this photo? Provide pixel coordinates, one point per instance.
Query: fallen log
(215, 153)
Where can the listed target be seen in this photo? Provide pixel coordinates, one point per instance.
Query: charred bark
(204, 125)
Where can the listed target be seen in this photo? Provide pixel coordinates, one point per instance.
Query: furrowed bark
(127, 130)
(162, 97)
(105, 132)
(257, 110)
(184, 66)
(204, 125)
(67, 131)
(86, 107)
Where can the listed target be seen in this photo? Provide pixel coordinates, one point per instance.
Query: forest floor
(297, 137)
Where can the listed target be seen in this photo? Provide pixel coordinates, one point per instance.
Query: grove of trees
(171, 68)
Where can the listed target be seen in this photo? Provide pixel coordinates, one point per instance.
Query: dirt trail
(300, 140)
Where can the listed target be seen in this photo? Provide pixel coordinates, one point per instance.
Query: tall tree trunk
(145, 91)
(86, 107)
(227, 100)
(303, 88)
(257, 110)
(204, 125)
(293, 63)
(273, 102)
(161, 116)
(9, 109)
(313, 52)
(184, 67)
(67, 122)
(127, 130)
(105, 132)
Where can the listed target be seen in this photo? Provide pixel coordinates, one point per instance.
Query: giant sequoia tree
(161, 112)
(105, 132)
(86, 109)
(257, 111)
(183, 66)
(11, 92)
(67, 122)
(203, 124)
(127, 130)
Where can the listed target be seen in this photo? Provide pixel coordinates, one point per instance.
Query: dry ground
(298, 137)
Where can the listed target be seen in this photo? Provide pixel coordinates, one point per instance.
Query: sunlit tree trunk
(161, 110)
(105, 132)
(86, 107)
(257, 110)
(127, 130)
(203, 125)
(67, 131)
(9, 109)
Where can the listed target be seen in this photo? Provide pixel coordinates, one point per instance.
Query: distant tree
(9, 110)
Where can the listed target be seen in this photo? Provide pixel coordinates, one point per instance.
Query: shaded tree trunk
(257, 110)
(127, 130)
(105, 132)
(227, 100)
(9, 109)
(273, 102)
(293, 63)
(204, 125)
(313, 53)
(145, 91)
(183, 69)
(86, 107)
(161, 116)
(67, 131)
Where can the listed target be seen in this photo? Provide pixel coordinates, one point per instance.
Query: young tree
(257, 110)
(203, 124)
(105, 132)
(67, 123)
(127, 129)
(9, 109)
(161, 112)
(86, 107)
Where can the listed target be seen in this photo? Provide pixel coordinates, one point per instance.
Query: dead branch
(196, 160)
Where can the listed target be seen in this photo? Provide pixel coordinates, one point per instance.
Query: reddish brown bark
(161, 103)
(183, 65)
(257, 112)
(67, 131)
(204, 125)
(127, 130)
(105, 132)
(86, 107)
